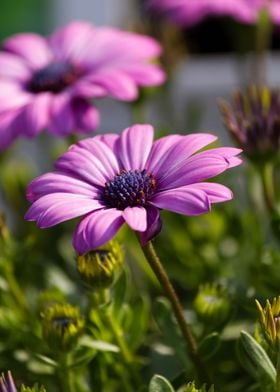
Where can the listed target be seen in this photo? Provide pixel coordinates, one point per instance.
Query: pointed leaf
(209, 345)
(160, 384)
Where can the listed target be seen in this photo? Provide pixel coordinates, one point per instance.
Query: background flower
(115, 179)
(47, 83)
(191, 12)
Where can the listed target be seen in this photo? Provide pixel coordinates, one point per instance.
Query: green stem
(163, 278)
(267, 178)
(15, 290)
(64, 374)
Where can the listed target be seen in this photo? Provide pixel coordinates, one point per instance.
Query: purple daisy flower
(113, 179)
(48, 82)
(190, 12)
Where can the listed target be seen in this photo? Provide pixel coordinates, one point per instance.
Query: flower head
(113, 179)
(7, 383)
(98, 267)
(62, 326)
(212, 305)
(190, 12)
(269, 318)
(46, 83)
(254, 122)
(190, 387)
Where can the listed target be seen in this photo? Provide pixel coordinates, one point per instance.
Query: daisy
(114, 179)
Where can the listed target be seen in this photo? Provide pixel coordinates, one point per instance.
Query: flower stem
(64, 374)
(263, 37)
(162, 276)
(266, 173)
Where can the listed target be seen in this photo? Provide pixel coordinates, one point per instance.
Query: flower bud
(35, 388)
(62, 325)
(98, 267)
(190, 387)
(46, 299)
(269, 319)
(212, 305)
(253, 121)
(7, 383)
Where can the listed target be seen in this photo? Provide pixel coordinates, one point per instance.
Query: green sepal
(255, 360)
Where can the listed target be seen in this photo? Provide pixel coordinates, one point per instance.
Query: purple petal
(184, 200)
(12, 67)
(134, 145)
(154, 225)
(12, 96)
(8, 132)
(144, 74)
(57, 183)
(216, 193)
(72, 41)
(86, 116)
(96, 229)
(35, 116)
(54, 208)
(230, 154)
(116, 83)
(82, 162)
(172, 152)
(62, 116)
(136, 218)
(109, 139)
(32, 47)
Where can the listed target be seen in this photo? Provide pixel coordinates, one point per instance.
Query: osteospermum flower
(190, 12)
(253, 120)
(47, 82)
(114, 179)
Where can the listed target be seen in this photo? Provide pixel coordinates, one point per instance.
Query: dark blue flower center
(54, 78)
(63, 322)
(129, 189)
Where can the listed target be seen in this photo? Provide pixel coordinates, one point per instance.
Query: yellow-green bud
(190, 387)
(212, 305)
(99, 267)
(62, 325)
(46, 299)
(35, 388)
(269, 318)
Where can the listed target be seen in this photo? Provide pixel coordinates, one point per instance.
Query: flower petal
(109, 139)
(58, 183)
(216, 193)
(184, 200)
(12, 67)
(8, 132)
(86, 116)
(35, 116)
(54, 208)
(134, 145)
(32, 47)
(72, 41)
(144, 74)
(96, 229)
(62, 117)
(165, 159)
(154, 225)
(12, 96)
(136, 218)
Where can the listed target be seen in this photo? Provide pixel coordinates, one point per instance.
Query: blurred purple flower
(190, 12)
(48, 83)
(114, 179)
(7, 383)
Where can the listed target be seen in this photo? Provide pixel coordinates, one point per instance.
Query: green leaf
(255, 360)
(98, 345)
(163, 315)
(160, 384)
(209, 345)
(46, 360)
(84, 359)
(120, 289)
(139, 322)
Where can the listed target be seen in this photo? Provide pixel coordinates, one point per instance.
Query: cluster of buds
(253, 120)
(98, 268)
(212, 305)
(62, 325)
(7, 384)
(269, 318)
(190, 387)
